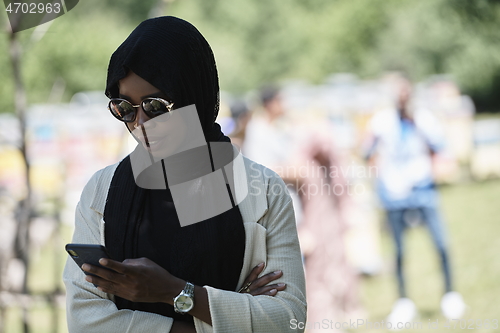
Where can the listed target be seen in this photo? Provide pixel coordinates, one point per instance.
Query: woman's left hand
(137, 280)
(256, 286)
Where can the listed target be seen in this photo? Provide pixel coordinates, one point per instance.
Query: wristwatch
(184, 302)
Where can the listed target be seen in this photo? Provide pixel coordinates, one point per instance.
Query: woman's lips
(152, 142)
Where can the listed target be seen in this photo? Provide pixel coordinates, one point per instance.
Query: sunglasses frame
(168, 104)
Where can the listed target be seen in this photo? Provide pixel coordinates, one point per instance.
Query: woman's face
(134, 89)
(162, 137)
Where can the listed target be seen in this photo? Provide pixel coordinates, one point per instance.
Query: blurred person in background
(241, 115)
(332, 281)
(402, 142)
(302, 151)
(269, 138)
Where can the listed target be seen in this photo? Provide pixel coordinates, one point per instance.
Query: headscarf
(172, 55)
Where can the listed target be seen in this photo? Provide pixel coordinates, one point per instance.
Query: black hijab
(172, 55)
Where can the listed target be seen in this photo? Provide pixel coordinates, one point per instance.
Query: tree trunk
(23, 216)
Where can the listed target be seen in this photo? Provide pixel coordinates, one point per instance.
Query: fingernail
(273, 291)
(85, 267)
(103, 261)
(260, 265)
(88, 278)
(277, 272)
(281, 284)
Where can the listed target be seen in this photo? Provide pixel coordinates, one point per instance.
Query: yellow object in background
(12, 171)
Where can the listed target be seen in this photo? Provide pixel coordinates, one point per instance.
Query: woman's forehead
(135, 86)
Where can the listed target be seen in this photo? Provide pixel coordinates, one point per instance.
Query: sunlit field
(472, 216)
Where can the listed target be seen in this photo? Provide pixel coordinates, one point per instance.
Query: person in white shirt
(403, 141)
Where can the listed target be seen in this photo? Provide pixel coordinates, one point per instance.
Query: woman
(187, 278)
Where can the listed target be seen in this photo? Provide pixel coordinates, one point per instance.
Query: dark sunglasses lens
(154, 107)
(122, 110)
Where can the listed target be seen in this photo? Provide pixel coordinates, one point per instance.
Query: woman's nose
(141, 117)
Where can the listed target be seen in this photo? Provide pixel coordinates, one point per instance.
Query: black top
(144, 223)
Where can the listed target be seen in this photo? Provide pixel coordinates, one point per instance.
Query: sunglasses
(125, 111)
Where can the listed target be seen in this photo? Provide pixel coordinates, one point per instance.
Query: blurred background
(301, 84)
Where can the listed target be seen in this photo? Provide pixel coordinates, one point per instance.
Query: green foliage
(80, 57)
(76, 48)
(262, 41)
(447, 36)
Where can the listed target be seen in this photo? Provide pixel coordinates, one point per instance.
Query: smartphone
(87, 253)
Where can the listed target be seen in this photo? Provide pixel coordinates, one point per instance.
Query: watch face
(184, 303)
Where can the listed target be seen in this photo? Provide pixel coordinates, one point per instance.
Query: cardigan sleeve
(285, 312)
(88, 309)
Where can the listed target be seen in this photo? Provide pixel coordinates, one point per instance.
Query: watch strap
(189, 289)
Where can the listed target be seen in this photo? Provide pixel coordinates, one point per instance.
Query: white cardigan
(270, 235)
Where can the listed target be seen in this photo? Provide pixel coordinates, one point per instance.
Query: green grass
(40, 319)
(472, 216)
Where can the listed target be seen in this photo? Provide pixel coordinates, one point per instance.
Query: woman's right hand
(255, 286)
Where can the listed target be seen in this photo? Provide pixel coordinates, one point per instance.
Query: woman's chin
(162, 151)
